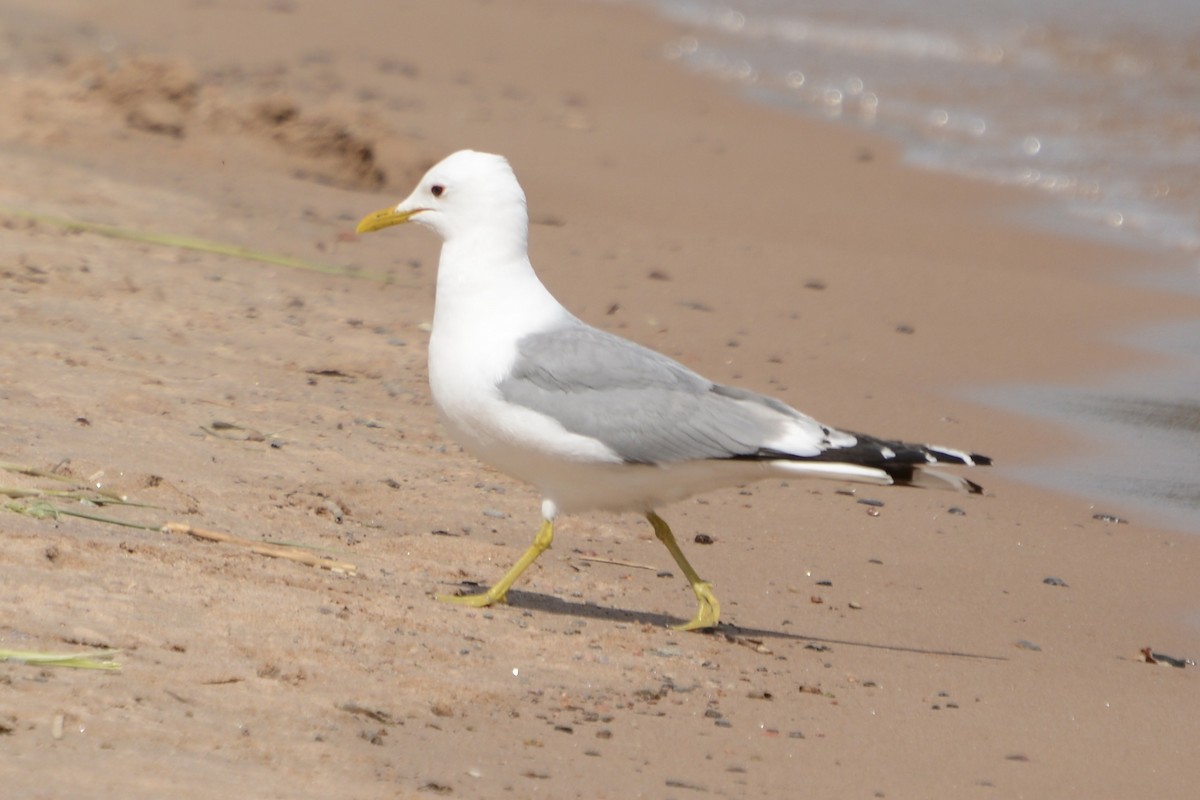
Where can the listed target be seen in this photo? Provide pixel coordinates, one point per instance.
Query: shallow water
(1094, 103)
(1142, 431)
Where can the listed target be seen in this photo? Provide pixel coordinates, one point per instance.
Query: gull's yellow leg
(497, 593)
(710, 609)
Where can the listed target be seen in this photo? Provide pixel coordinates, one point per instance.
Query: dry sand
(869, 651)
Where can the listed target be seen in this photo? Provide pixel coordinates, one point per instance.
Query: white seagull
(592, 420)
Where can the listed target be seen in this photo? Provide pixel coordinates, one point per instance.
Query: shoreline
(1152, 365)
(920, 650)
(1139, 266)
(1152, 266)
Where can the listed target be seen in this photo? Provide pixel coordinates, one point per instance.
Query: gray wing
(644, 406)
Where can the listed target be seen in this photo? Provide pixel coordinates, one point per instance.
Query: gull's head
(465, 193)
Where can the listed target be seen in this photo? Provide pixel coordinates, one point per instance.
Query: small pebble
(869, 502)
(1025, 644)
(855, 605)
(1053, 581)
(1148, 656)
(333, 509)
(723, 723)
(955, 510)
(1109, 518)
(703, 538)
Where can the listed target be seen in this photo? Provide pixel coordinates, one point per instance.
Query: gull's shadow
(550, 604)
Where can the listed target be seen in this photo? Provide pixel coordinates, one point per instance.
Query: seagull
(592, 420)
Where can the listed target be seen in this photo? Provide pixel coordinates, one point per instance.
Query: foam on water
(1094, 102)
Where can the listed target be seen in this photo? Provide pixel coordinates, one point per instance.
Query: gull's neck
(486, 282)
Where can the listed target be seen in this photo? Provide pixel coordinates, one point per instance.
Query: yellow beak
(385, 219)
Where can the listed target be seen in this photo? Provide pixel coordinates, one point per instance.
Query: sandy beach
(938, 645)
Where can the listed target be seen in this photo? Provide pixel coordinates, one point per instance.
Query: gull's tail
(871, 460)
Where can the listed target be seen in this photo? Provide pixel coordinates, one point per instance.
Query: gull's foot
(482, 600)
(708, 613)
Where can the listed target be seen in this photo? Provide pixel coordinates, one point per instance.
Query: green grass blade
(44, 510)
(96, 659)
(201, 245)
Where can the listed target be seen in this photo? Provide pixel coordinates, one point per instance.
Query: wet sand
(909, 650)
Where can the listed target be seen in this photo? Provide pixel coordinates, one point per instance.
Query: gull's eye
(437, 190)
